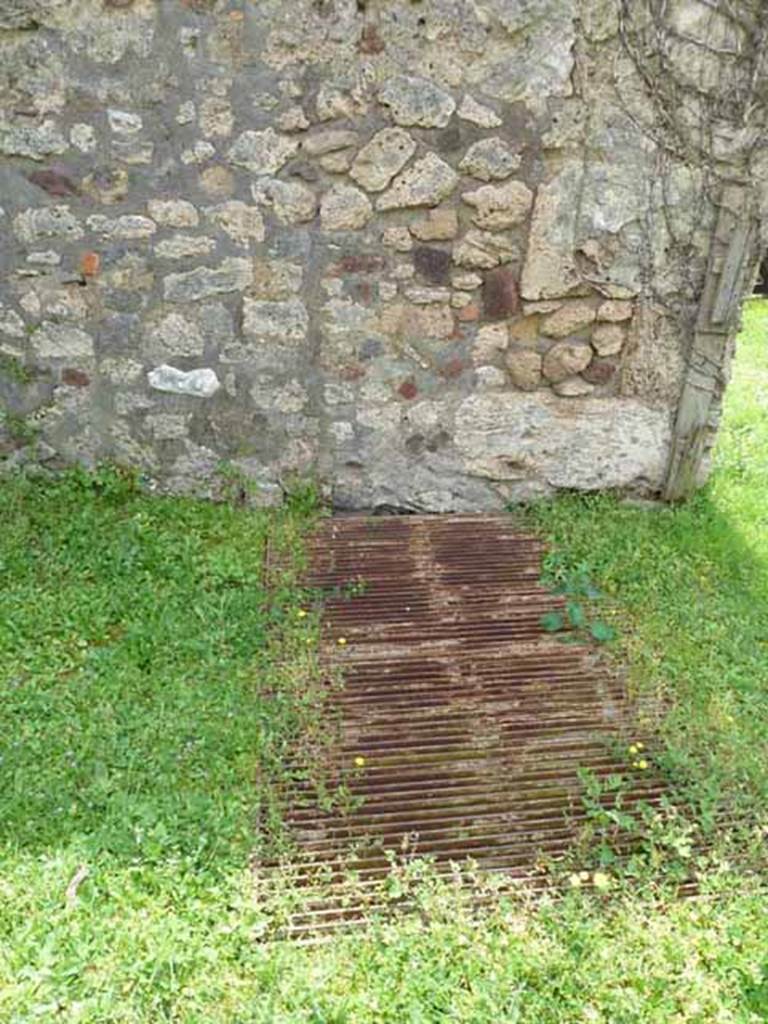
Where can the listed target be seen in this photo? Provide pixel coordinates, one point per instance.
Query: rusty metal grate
(472, 721)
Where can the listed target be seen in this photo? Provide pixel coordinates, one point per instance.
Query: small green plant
(576, 585)
(14, 370)
(18, 428)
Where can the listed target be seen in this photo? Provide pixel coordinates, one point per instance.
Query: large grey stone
(417, 101)
(550, 269)
(581, 443)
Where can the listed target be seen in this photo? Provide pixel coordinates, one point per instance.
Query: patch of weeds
(14, 370)
(19, 429)
(576, 585)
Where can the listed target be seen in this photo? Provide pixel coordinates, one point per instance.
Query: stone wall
(422, 251)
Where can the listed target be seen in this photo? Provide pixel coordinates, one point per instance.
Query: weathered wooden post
(733, 260)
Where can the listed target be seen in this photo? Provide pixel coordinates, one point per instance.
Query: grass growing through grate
(150, 694)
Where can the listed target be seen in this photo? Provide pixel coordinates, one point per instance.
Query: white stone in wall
(344, 207)
(241, 222)
(425, 183)
(581, 443)
(232, 275)
(381, 158)
(500, 206)
(471, 110)
(490, 160)
(263, 152)
(61, 341)
(201, 383)
(416, 101)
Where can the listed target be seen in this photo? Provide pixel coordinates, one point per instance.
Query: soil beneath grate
(460, 726)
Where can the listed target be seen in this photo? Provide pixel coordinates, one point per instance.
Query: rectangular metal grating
(471, 721)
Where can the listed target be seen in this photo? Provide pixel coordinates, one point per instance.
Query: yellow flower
(341, 641)
(640, 746)
(359, 761)
(302, 613)
(634, 748)
(575, 881)
(642, 764)
(600, 880)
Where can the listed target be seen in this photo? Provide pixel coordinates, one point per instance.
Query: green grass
(688, 586)
(151, 690)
